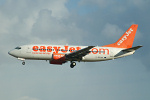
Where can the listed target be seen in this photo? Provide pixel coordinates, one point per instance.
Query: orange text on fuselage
(66, 49)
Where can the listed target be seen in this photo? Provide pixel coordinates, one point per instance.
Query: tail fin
(126, 39)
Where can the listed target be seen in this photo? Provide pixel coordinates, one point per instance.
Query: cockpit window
(18, 48)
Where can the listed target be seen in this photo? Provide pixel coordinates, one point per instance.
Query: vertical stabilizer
(126, 39)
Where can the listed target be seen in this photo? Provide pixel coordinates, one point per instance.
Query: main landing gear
(72, 64)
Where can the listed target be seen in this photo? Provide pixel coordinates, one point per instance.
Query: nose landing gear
(72, 64)
(23, 60)
(23, 63)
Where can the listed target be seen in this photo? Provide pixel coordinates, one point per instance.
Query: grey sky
(74, 22)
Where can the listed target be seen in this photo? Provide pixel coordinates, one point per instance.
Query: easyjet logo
(65, 49)
(55, 49)
(125, 37)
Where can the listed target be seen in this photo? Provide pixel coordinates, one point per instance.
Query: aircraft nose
(10, 53)
(14, 53)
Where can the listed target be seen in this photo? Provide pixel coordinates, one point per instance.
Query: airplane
(60, 54)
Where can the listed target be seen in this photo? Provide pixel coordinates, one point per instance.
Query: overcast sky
(74, 22)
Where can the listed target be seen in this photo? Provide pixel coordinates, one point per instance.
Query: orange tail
(126, 39)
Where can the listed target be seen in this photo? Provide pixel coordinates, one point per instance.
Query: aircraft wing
(77, 55)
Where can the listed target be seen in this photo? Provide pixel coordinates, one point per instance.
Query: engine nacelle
(58, 59)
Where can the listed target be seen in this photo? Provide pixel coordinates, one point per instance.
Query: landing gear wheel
(23, 63)
(72, 64)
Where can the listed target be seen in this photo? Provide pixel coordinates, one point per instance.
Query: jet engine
(58, 59)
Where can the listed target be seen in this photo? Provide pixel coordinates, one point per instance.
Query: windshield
(18, 48)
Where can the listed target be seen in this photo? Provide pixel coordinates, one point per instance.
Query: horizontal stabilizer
(127, 51)
(132, 49)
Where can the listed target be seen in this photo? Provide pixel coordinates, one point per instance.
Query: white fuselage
(45, 52)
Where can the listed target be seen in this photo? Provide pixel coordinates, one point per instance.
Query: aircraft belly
(96, 57)
(43, 56)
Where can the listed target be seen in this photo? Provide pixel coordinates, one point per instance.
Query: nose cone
(13, 53)
(9, 53)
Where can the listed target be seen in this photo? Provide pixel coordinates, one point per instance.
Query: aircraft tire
(23, 63)
(72, 64)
